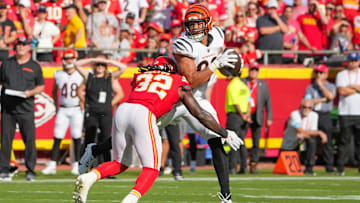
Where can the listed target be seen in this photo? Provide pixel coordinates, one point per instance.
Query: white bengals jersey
(67, 85)
(203, 55)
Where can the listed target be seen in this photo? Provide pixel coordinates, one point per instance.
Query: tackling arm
(203, 116)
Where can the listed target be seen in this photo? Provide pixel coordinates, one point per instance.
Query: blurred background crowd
(249, 26)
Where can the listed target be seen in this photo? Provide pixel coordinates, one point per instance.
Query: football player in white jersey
(66, 82)
(199, 53)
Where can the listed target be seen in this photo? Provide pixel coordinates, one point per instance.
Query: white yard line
(354, 178)
(337, 197)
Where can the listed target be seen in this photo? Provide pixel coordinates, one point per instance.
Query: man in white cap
(271, 28)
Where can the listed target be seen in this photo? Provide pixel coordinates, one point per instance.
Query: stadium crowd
(249, 27)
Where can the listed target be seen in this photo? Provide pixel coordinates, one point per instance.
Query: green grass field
(200, 187)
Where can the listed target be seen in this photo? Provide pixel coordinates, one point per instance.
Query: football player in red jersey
(155, 90)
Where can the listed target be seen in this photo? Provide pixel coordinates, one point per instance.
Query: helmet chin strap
(198, 37)
(69, 66)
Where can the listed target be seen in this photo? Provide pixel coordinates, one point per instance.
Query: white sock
(130, 198)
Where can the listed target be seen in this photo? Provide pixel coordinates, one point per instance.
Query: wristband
(223, 132)
(213, 67)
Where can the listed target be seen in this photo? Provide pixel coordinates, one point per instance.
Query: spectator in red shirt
(179, 9)
(20, 14)
(217, 10)
(310, 35)
(238, 34)
(356, 31)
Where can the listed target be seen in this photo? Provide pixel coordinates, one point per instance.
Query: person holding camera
(46, 34)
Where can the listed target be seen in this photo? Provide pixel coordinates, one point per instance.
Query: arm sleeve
(295, 120)
(340, 80)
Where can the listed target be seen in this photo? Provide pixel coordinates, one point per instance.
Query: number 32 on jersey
(154, 84)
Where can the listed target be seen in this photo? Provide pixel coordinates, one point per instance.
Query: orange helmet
(69, 54)
(198, 13)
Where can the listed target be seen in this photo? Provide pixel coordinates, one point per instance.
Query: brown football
(228, 71)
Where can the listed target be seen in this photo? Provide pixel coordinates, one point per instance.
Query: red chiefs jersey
(157, 90)
(55, 12)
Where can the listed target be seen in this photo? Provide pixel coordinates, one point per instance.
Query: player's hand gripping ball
(238, 65)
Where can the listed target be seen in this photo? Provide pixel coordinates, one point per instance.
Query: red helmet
(165, 63)
(69, 54)
(198, 13)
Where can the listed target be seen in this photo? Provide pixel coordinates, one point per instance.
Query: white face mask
(67, 65)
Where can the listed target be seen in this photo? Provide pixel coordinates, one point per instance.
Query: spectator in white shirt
(46, 34)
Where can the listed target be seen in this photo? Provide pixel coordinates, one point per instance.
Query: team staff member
(259, 101)
(22, 79)
(348, 87)
(237, 107)
(323, 93)
(98, 100)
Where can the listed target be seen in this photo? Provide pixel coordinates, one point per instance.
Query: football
(228, 71)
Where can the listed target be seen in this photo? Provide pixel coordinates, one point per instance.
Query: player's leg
(61, 126)
(76, 124)
(220, 159)
(173, 134)
(122, 145)
(147, 143)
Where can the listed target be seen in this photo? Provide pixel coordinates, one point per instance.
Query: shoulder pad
(183, 46)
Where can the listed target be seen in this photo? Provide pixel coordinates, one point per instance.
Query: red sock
(144, 182)
(109, 168)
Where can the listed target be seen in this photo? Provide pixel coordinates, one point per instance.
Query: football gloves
(233, 140)
(224, 59)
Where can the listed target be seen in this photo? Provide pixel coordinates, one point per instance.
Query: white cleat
(75, 168)
(224, 199)
(50, 168)
(82, 186)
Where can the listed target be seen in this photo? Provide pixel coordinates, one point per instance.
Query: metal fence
(265, 53)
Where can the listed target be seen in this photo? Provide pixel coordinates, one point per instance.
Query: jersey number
(154, 84)
(203, 64)
(65, 91)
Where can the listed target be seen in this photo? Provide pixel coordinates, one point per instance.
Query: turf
(200, 187)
